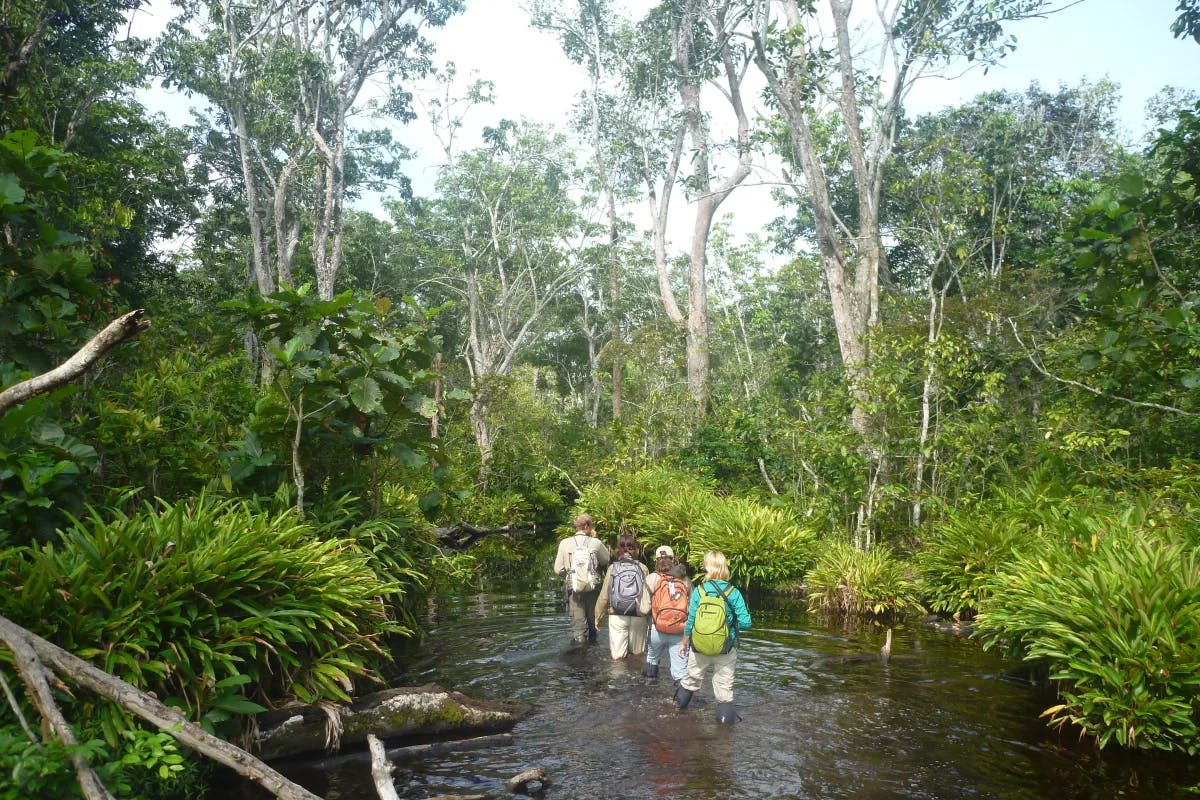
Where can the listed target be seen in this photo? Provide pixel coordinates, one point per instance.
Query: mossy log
(394, 713)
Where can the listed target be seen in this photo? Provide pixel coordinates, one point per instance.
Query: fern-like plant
(1117, 623)
(866, 583)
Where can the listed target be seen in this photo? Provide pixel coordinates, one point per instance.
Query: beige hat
(664, 550)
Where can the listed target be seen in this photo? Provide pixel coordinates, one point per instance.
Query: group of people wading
(696, 625)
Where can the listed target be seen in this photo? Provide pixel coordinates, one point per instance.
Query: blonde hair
(583, 522)
(716, 566)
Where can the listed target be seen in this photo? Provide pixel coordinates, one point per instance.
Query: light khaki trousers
(626, 635)
(722, 678)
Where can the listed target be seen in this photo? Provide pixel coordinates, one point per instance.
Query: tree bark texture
(119, 330)
(709, 198)
(422, 710)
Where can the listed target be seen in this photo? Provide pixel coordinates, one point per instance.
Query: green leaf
(366, 394)
(11, 192)
(236, 704)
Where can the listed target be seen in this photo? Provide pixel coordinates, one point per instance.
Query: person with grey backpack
(625, 594)
(580, 558)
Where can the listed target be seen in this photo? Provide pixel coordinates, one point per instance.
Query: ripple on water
(823, 719)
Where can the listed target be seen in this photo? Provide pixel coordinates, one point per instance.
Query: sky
(1127, 41)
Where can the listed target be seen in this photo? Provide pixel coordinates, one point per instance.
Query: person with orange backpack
(716, 613)
(670, 591)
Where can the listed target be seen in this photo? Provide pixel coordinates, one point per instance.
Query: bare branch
(122, 329)
(1037, 364)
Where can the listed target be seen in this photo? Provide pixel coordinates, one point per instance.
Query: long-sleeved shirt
(562, 562)
(740, 615)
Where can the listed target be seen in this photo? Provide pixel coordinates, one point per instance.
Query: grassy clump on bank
(1117, 623)
(211, 605)
(666, 506)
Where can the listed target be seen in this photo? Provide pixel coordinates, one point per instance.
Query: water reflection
(822, 718)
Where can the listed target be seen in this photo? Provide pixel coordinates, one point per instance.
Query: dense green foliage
(196, 600)
(766, 547)
(237, 509)
(1115, 621)
(847, 580)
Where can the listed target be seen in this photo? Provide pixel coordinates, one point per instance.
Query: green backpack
(710, 632)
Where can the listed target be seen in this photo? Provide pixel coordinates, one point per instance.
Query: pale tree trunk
(660, 206)
(260, 268)
(710, 198)
(329, 106)
(851, 259)
(610, 207)
(483, 438)
(589, 334)
(928, 390)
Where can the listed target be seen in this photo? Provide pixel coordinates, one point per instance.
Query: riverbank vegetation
(957, 374)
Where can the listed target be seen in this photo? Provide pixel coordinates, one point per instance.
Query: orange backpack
(669, 604)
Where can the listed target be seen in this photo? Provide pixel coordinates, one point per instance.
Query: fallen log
(20, 640)
(531, 781)
(415, 711)
(463, 535)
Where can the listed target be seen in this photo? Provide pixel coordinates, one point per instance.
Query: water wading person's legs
(581, 608)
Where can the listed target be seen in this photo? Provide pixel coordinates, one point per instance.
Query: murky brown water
(943, 721)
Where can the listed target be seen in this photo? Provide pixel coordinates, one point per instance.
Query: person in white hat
(670, 590)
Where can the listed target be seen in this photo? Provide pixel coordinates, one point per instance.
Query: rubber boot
(593, 636)
(650, 671)
(682, 698)
(726, 713)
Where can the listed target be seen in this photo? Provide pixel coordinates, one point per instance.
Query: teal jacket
(737, 605)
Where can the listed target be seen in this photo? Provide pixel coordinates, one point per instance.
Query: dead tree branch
(119, 330)
(27, 645)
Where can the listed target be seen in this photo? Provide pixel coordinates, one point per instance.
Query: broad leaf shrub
(872, 582)
(145, 765)
(956, 564)
(1117, 622)
(211, 606)
(765, 547)
(661, 505)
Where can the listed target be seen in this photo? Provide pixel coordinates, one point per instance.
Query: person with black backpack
(624, 593)
(670, 592)
(716, 613)
(578, 561)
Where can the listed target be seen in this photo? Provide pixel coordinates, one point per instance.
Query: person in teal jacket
(716, 582)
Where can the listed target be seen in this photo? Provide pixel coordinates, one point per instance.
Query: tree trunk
(709, 199)
(419, 711)
(260, 270)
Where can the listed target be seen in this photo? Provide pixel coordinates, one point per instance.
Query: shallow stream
(823, 719)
